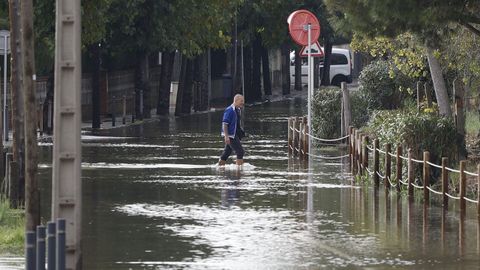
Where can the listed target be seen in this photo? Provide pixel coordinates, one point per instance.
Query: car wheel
(337, 80)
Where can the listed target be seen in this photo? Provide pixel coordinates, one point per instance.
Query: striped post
(30, 250)
(411, 173)
(51, 231)
(376, 163)
(388, 165)
(40, 247)
(445, 182)
(398, 169)
(426, 176)
(463, 185)
(61, 245)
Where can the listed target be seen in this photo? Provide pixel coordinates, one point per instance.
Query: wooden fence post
(300, 141)
(296, 123)
(365, 152)
(306, 142)
(388, 165)
(359, 151)
(354, 157)
(478, 190)
(463, 186)
(376, 163)
(426, 175)
(290, 136)
(399, 168)
(445, 182)
(347, 113)
(305, 138)
(411, 172)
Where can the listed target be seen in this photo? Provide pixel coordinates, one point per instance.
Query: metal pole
(310, 85)
(40, 247)
(5, 53)
(51, 231)
(61, 241)
(30, 250)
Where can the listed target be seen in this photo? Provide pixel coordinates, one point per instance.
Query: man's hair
(236, 97)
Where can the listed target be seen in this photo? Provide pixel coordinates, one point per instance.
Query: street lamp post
(5, 49)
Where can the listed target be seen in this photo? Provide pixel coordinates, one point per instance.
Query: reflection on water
(154, 199)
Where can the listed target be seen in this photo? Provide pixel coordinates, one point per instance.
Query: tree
(427, 19)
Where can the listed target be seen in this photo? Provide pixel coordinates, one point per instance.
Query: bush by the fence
(377, 83)
(415, 130)
(326, 112)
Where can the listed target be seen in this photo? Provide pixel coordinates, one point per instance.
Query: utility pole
(32, 199)
(66, 171)
(18, 143)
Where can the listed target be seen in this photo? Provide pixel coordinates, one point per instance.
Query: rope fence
(360, 152)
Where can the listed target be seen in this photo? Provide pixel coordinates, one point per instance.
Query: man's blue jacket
(230, 118)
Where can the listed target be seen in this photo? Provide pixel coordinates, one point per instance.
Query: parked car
(340, 67)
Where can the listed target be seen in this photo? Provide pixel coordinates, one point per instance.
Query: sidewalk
(214, 106)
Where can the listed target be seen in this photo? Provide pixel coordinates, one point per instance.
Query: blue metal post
(30, 250)
(61, 244)
(51, 230)
(40, 247)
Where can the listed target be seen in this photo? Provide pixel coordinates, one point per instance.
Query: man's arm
(225, 132)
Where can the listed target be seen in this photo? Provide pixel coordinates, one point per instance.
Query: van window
(339, 59)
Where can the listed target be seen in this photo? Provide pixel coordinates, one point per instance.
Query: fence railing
(46, 247)
(363, 154)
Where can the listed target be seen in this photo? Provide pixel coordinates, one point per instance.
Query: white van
(340, 67)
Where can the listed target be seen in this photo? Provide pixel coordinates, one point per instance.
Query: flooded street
(154, 199)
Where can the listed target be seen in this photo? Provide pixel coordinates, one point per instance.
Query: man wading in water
(232, 131)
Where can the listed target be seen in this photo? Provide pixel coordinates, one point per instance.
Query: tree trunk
(200, 90)
(181, 87)
(326, 63)
(142, 94)
(163, 101)
(32, 198)
(94, 52)
(247, 68)
(439, 84)
(18, 143)
(285, 69)
(256, 69)
(267, 82)
(298, 70)
(316, 72)
(187, 91)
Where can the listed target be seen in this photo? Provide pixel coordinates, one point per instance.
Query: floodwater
(153, 199)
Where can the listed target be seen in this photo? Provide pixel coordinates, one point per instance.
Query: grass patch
(472, 123)
(12, 229)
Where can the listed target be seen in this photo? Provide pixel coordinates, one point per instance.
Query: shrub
(381, 85)
(415, 130)
(326, 112)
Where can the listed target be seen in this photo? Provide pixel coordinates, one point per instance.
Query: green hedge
(326, 111)
(415, 130)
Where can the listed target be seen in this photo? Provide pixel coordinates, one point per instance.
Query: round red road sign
(297, 26)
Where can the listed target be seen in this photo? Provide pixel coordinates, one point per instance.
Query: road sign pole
(310, 83)
(5, 53)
